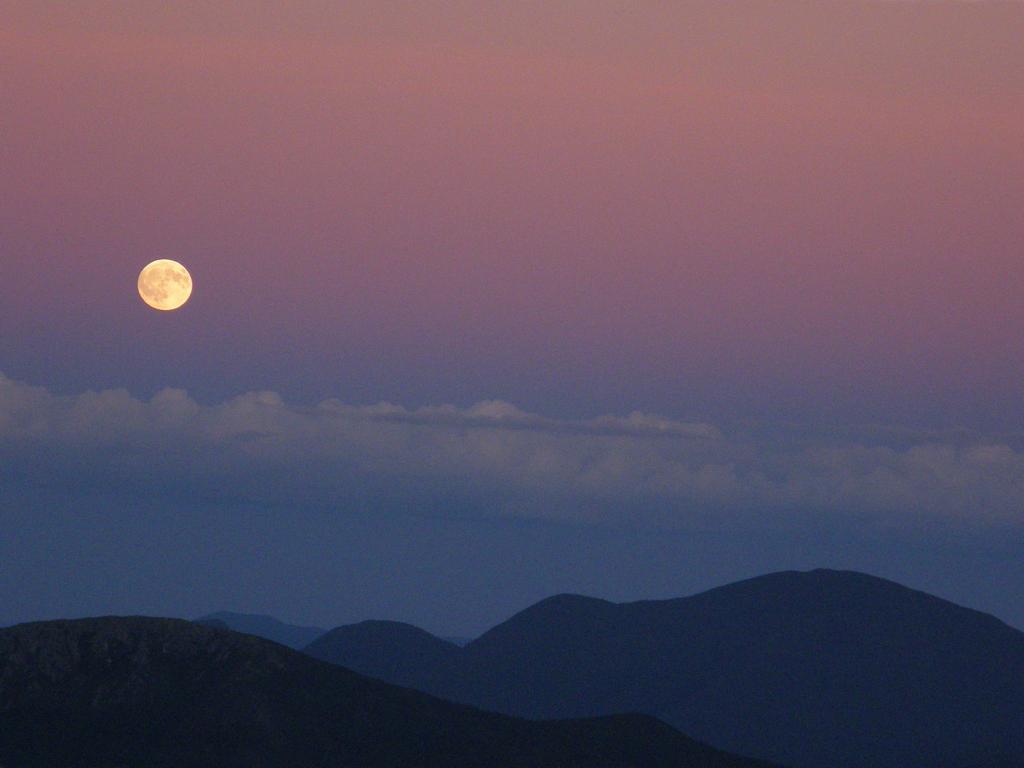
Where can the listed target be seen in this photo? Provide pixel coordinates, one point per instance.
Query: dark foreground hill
(825, 669)
(155, 693)
(264, 626)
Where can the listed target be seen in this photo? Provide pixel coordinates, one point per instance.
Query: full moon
(165, 284)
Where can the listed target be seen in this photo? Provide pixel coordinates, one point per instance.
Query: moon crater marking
(165, 284)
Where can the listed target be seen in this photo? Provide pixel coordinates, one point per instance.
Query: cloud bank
(494, 459)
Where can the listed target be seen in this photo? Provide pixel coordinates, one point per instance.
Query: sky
(493, 301)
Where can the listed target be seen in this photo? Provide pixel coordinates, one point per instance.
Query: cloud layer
(495, 459)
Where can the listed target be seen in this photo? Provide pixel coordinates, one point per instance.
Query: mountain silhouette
(390, 650)
(820, 669)
(156, 693)
(264, 626)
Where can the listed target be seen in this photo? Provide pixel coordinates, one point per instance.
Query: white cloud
(256, 447)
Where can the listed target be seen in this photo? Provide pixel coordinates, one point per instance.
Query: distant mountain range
(268, 627)
(287, 634)
(157, 693)
(825, 669)
(264, 626)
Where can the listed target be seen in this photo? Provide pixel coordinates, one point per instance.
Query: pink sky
(811, 209)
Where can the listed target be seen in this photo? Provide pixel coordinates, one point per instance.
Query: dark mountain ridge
(156, 693)
(823, 669)
(264, 626)
(394, 651)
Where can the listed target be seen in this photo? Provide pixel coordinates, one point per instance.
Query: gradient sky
(787, 235)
